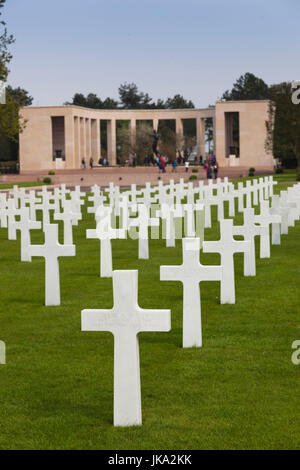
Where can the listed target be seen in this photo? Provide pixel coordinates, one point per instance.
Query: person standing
(206, 168)
(216, 168)
(209, 172)
(163, 164)
(186, 164)
(83, 163)
(174, 165)
(91, 163)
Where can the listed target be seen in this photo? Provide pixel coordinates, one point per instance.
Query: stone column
(179, 134)
(200, 133)
(82, 140)
(77, 141)
(111, 142)
(214, 135)
(88, 140)
(69, 142)
(95, 140)
(133, 133)
(99, 133)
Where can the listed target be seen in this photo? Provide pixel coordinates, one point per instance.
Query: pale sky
(197, 48)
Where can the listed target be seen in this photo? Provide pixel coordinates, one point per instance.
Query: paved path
(123, 176)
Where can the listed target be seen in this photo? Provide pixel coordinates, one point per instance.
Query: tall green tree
(247, 87)
(19, 95)
(11, 122)
(178, 102)
(132, 98)
(5, 41)
(283, 126)
(9, 142)
(91, 100)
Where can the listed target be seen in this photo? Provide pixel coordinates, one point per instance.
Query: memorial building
(60, 137)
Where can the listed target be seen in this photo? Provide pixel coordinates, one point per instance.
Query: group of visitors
(102, 162)
(181, 157)
(211, 167)
(161, 162)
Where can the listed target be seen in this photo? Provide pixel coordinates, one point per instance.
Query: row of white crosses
(24, 206)
(127, 396)
(169, 198)
(169, 211)
(126, 319)
(72, 213)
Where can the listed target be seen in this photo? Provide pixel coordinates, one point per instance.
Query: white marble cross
(293, 199)
(170, 227)
(240, 193)
(248, 192)
(33, 200)
(249, 231)
(25, 225)
(64, 191)
(98, 200)
(12, 212)
(142, 222)
(51, 251)
(147, 198)
(67, 216)
(261, 189)
(46, 205)
(229, 196)
(265, 219)
(125, 320)
(105, 233)
(271, 184)
(227, 246)
(276, 228)
(3, 210)
(192, 227)
(286, 208)
(76, 204)
(191, 272)
(255, 192)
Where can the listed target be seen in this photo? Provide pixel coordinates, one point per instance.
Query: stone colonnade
(86, 130)
(59, 137)
(87, 137)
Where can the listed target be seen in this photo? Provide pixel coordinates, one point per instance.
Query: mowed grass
(239, 391)
(27, 184)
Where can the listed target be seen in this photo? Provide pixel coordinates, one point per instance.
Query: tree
(5, 41)
(178, 102)
(283, 126)
(131, 98)
(91, 100)
(16, 98)
(110, 103)
(141, 146)
(10, 121)
(247, 87)
(209, 133)
(19, 95)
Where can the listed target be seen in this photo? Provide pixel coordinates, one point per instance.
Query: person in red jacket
(163, 164)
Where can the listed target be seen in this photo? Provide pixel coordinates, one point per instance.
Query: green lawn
(240, 391)
(28, 184)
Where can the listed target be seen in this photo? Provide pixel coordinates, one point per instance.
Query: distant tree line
(129, 98)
